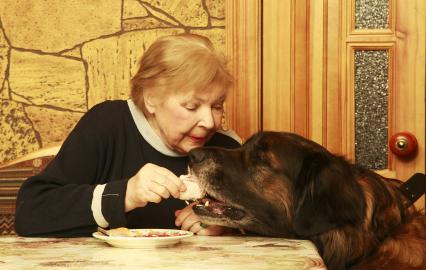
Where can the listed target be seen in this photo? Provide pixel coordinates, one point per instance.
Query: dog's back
(401, 230)
(392, 236)
(404, 248)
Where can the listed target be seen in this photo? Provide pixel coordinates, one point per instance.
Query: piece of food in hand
(193, 190)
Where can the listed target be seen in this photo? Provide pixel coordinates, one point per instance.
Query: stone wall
(58, 58)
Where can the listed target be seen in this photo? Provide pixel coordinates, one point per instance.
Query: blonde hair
(179, 63)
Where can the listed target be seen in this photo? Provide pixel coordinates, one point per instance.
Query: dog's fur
(281, 184)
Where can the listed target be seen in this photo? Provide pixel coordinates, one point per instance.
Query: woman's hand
(151, 183)
(189, 221)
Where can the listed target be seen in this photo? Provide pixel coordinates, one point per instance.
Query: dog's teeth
(206, 204)
(242, 231)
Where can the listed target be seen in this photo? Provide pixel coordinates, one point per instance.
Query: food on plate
(193, 190)
(125, 232)
(154, 233)
(122, 231)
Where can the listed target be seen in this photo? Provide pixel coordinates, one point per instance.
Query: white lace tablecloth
(197, 252)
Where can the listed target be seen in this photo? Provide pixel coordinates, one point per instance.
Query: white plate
(173, 237)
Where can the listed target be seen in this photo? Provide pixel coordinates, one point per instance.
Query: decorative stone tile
(113, 61)
(187, 12)
(52, 125)
(16, 130)
(4, 92)
(76, 55)
(20, 99)
(217, 22)
(143, 24)
(76, 52)
(160, 15)
(216, 8)
(56, 25)
(48, 80)
(4, 60)
(217, 36)
(133, 8)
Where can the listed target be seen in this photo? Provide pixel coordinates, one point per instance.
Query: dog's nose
(196, 155)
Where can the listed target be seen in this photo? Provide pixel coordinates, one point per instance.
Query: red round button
(403, 144)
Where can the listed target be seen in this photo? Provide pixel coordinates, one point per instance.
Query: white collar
(148, 133)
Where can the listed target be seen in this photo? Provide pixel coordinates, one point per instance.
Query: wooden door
(305, 66)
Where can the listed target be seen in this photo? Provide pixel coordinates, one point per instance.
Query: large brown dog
(281, 184)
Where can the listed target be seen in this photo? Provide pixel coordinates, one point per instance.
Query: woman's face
(188, 120)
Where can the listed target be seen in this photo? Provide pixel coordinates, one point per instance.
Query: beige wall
(60, 57)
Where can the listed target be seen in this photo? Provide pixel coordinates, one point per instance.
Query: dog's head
(277, 184)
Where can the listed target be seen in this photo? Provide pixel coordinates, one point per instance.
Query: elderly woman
(119, 167)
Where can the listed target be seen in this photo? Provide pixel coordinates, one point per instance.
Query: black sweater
(104, 147)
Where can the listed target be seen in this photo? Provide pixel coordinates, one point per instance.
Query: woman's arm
(58, 201)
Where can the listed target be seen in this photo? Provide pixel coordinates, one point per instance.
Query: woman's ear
(149, 102)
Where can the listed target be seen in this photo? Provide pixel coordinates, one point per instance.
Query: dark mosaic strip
(7, 222)
(371, 108)
(371, 14)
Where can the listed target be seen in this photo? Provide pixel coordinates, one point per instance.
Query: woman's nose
(206, 119)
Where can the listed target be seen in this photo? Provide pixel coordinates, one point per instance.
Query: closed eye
(218, 107)
(191, 106)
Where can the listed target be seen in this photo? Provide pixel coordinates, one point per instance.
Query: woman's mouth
(197, 140)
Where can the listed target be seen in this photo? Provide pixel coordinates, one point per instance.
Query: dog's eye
(257, 154)
(252, 157)
(261, 147)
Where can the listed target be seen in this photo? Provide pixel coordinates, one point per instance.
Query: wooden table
(197, 252)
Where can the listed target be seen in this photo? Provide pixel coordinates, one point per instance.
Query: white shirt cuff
(97, 206)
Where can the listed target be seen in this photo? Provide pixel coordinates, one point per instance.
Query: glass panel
(371, 108)
(371, 14)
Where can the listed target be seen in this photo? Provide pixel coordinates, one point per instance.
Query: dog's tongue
(217, 209)
(193, 190)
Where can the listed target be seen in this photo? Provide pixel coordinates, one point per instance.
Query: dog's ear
(327, 195)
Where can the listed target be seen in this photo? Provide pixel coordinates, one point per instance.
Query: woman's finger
(164, 181)
(191, 224)
(171, 177)
(152, 197)
(196, 228)
(158, 189)
(184, 214)
(211, 230)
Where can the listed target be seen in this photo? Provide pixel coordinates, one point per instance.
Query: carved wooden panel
(306, 70)
(243, 31)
